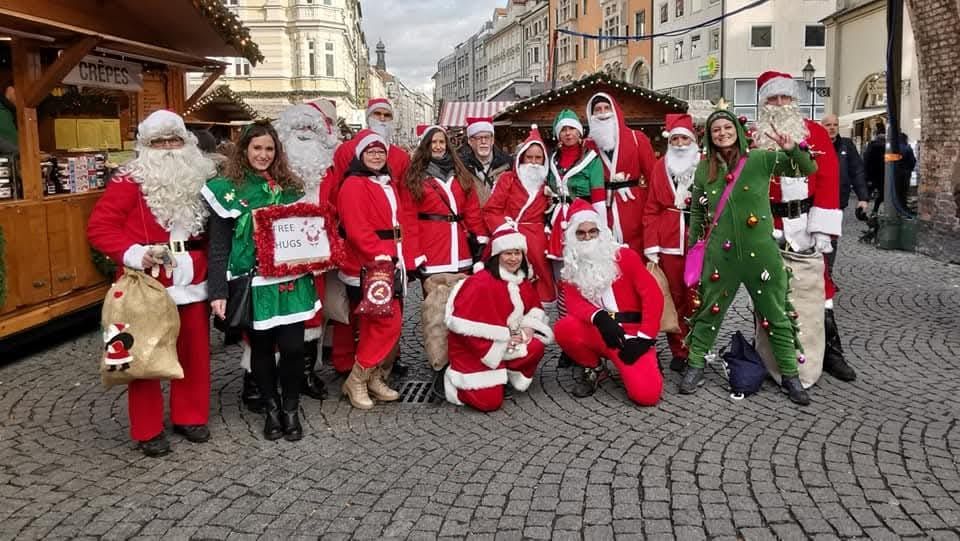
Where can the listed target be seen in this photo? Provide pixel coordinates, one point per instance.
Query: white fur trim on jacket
(476, 380)
(537, 320)
(133, 257)
(821, 220)
(219, 209)
(518, 380)
(188, 294)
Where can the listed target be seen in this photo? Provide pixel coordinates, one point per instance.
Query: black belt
(439, 217)
(791, 209)
(180, 246)
(621, 184)
(562, 199)
(626, 317)
(389, 234)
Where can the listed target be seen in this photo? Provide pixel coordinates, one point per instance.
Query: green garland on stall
(3, 268)
(104, 264)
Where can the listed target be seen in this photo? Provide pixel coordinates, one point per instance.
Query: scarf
(568, 157)
(441, 168)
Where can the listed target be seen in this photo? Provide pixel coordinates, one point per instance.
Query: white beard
(787, 120)
(590, 265)
(532, 176)
(171, 181)
(604, 131)
(309, 159)
(383, 129)
(681, 165)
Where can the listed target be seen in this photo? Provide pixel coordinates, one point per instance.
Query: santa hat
(477, 125)
(328, 109)
(113, 330)
(564, 119)
(163, 123)
(581, 211)
(507, 237)
(368, 138)
(423, 130)
(679, 124)
(116, 352)
(378, 103)
(533, 138)
(774, 83)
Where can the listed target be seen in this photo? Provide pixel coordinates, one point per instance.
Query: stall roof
(181, 32)
(221, 105)
(455, 113)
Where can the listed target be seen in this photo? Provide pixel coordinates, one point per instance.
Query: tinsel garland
(3, 268)
(264, 241)
(104, 264)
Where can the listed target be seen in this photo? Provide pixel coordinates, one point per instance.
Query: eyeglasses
(166, 142)
(482, 138)
(375, 152)
(588, 234)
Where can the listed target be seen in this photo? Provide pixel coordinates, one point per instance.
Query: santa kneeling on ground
(613, 309)
(498, 328)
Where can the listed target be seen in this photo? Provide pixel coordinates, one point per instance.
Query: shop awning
(455, 113)
(849, 119)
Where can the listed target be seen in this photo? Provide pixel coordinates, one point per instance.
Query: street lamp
(808, 73)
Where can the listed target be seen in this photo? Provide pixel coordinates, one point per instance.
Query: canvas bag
(806, 284)
(336, 306)
(436, 291)
(693, 264)
(148, 323)
(670, 320)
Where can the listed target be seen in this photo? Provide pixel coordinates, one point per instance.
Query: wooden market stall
(643, 108)
(222, 111)
(84, 73)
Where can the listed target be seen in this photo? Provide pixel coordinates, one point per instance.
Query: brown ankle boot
(377, 384)
(355, 387)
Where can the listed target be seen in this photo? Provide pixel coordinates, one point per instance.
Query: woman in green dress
(257, 176)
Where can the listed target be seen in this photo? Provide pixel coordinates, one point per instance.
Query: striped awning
(455, 113)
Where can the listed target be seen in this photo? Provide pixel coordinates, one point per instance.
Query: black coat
(875, 167)
(501, 162)
(851, 171)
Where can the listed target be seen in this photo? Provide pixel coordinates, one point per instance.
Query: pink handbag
(693, 265)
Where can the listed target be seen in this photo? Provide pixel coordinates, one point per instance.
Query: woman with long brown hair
(446, 205)
(257, 176)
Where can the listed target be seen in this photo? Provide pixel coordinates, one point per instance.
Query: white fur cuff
(133, 257)
(828, 221)
(537, 320)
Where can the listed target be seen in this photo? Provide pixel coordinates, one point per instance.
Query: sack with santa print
(140, 325)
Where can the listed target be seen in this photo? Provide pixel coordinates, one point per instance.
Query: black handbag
(239, 311)
(745, 367)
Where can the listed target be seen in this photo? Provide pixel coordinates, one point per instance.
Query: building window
(328, 54)
(536, 55)
(678, 50)
(745, 98)
(814, 36)
(663, 54)
(231, 2)
(715, 39)
(694, 45)
(664, 13)
(695, 92)
(812, 105)
(563, 12)
(641, 22)
(576, 51)
(311, 58)
(241, 67)
(696, 5)
(761, 36)
(679, 8)
(611, 24)
(328, 2)
(584, 10)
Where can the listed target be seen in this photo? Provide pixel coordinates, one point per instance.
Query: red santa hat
(679, 124)
(581, 211)
(378, 103)
(117, 352)
(368, 138)
(424, 129)
(533, 138)
(774, 83)
(507, 237)
(476, 125)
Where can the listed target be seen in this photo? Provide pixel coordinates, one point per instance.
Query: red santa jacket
(480, 312)
(664, 228)
(397, 162)
(371, 208)
(510, 199)
(444, 243)
(636, 290)
(122, 226)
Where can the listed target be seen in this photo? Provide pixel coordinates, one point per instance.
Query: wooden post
(53, 75)
(26, 73)
(199, 92)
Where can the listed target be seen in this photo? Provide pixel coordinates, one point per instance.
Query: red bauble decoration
(715, 309)
(729, 177)
(743, 120)
(765, 323)
(715, 276)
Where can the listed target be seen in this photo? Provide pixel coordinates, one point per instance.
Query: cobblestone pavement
(877, 458)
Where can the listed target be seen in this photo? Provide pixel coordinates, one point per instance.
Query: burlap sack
(807, 298)
(141, 325)
(336, 306)
(669, 321)
(436, 291)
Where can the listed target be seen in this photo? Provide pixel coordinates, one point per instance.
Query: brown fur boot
(355, 386)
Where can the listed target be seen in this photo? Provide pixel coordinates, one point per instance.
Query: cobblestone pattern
(876, 458)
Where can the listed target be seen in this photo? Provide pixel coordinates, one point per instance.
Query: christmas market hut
(77, 78)
(221, 111)
(643, 108)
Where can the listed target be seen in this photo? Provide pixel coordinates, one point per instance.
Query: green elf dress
(741, 249)
(276, 300)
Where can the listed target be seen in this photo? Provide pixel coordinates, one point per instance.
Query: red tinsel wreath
(263, 239)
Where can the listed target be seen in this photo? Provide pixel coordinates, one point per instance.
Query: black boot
(678, 364)
(585, 381)
(272, 427)
(564, 361)
(250, 395)
(692, 380)
(290, 419)
(312, 385)
(793, 387)
(156, 446)
(437, 386)
(833, 361)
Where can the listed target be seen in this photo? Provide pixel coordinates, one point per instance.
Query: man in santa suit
(308, 134)
(665, 218)
(380, 120)
(805, 209)
(613, 310)
(498, 328)
(152, 215)
(628, 162)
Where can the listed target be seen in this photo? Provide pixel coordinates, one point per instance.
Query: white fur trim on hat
(681, 131)
(778, 86)
(479, 127)
(369, 139)
(510, 241)
(379, 105)
(163, 123)
(579, 217)
(572, 122)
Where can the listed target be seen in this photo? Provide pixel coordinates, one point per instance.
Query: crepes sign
(100, 72)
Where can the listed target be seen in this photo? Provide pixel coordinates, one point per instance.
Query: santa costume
(628, 161)
(154, 201)
(519, 196)
(665, 218)
(483, 313)
(630, 300)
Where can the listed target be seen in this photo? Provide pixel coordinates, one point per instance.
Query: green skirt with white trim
(283, 302)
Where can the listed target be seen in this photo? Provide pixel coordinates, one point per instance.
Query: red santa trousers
(378, 335)
(583, 343)
(344, 345)
(519, 373)
(190, 396)
(672, 267)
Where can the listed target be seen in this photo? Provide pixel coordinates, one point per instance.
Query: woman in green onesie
(741, 248)
(258, 176)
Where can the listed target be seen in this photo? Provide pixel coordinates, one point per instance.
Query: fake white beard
(532, 176)
(785, 118)
(383, 129)
(171, 181)
(681, 166)
(603, 130)
(309, 159)
(591, 265)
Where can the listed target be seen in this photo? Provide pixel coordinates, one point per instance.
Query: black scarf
(357, 168)
(441, 168)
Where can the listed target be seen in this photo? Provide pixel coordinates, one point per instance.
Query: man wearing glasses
(481, 156)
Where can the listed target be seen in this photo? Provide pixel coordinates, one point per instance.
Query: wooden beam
(54, 74)
(26, 71)
(207, 83)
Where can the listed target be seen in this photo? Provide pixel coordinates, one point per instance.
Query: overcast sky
(418, 33)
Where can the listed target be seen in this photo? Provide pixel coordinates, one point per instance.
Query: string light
(229, 26)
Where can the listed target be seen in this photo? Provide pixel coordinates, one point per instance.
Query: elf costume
(741, 250)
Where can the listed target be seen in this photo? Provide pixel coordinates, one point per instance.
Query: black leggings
(288, 339)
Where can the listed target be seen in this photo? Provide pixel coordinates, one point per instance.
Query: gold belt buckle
(177, 246)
